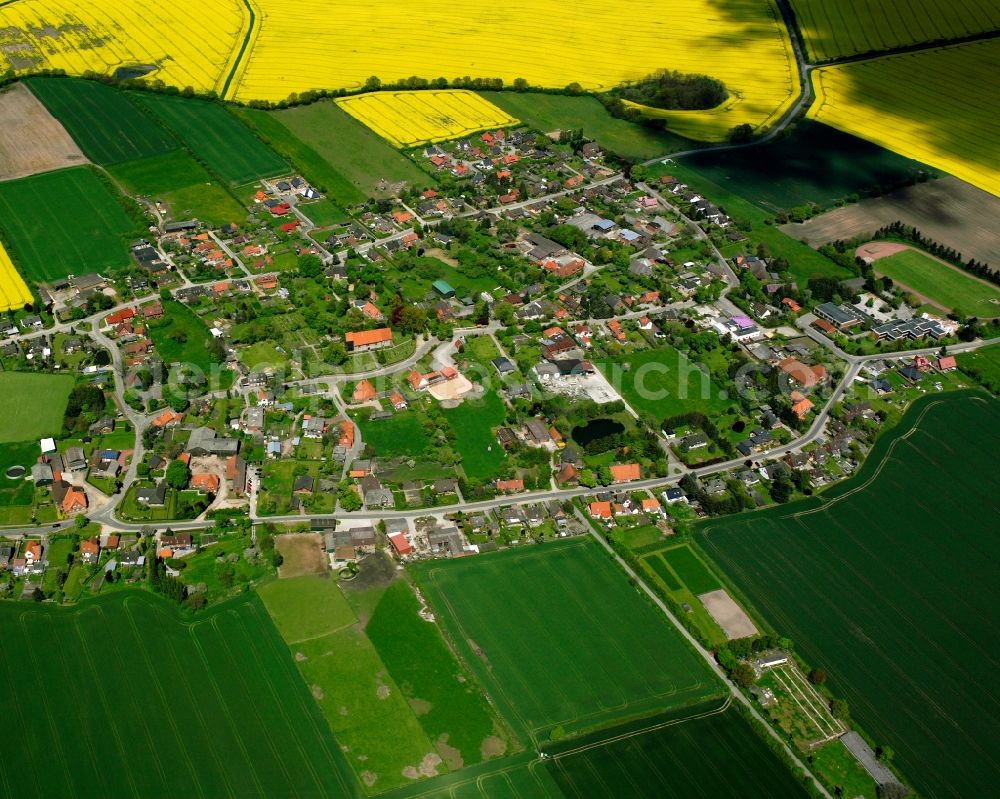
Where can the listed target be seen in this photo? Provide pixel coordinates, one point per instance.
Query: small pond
(595, 429)
(15, 472)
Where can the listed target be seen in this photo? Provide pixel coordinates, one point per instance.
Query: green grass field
(449, 702)
(314, 167)
(941, 283)
(473, 423)
(183, 184)
(263, 353)
(400, 435)
(560, 638)
(219, 693)
(664, 382)
(691, 570)
(548, 112)
(181, 337)
(63, 223)
(363, 705)
(216, 137)
(983, 365)
(103, 121)
(17, 495)
(888, 582)
(323, 213)
(306, 607)
(32, 405)
(349, 148)
(811, 163)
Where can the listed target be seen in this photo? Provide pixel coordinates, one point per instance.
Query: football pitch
(561, 640)
(888, 582)
(121, 696)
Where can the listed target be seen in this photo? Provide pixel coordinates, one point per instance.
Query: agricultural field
(525, 622)
(810, 163)
(408, 119)
(183, 184)
(231, 722)
(33, 404)
(63, 223)
(690, 36)
(551, 112)
(216, 137)
(941, 283)
(929, 106)
(332, 147)
(851, 27)
(127, 39)
(31, 139)
(14, 292)
(355, 693)
(104, 121)
(664, 382)
(946, 210)
(923, 566)
(473, 423)
(713, 754)
(449, 703)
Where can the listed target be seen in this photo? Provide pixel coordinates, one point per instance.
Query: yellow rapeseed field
(191, 42)
(595, 43)
(410, 118)
(14, 293)
(317, 44)
(935, 106)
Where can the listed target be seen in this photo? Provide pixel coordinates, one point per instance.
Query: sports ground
(121, 696)
(888, 581)
(561, 640)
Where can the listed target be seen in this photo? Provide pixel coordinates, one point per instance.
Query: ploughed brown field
(947, 210)
(31, 140)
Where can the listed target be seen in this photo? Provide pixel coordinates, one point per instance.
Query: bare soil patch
(874, 250)
(947, 210)
(303, 554)
(492, 747)
(452, 757)
(727, 614)
(31, 139)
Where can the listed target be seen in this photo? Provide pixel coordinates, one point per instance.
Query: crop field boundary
(238, 63)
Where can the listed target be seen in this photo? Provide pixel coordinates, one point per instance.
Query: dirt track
(31, 140)
(947, 210)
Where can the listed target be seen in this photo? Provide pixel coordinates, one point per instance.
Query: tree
(741, 133)
(892, 790)
(744, 675)
(178, 474)
(81, 521)
(781, 489)
(277, 559)
(839, 709)
(817, 676)
(310, 266)
(38, 595)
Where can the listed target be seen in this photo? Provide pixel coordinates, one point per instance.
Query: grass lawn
(449, 703)
(664, 382)
(526, 622)
(942, 283)
(216, 137)
(183, 184)
(400, 435)
(667, 572)
(926, 560)
(32, 406)
(416, 275)
(810, 163)
(348, 147)
(181, 337)
(315, 168)
(63, 223)
(218, 691)
(262, 353)
(691, 570)
(103, 121)
(363, 705)
(306, 607)
(17, 495)
(473, 423)
(548, 112)
(323, 212)
(206, 566)
(638, 537)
